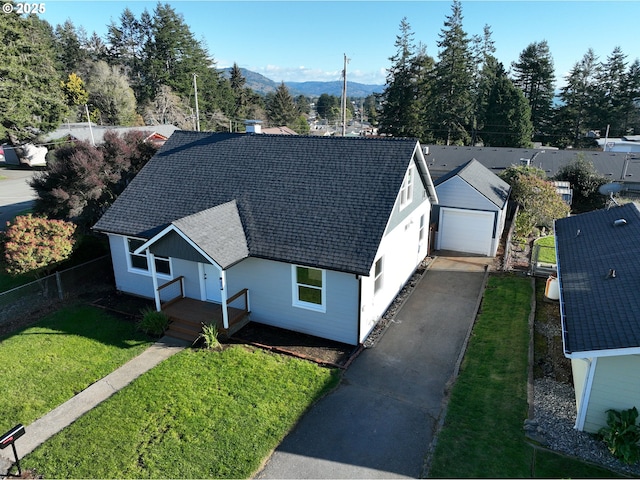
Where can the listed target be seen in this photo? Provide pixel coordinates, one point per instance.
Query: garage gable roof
(482, 179)
(598, 266)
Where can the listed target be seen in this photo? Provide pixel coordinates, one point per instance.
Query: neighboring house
(472, 209)
(94, 134)
(322, 232)
(615, 166)
(598, 257)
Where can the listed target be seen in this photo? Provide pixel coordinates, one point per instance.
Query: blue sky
(306, 40)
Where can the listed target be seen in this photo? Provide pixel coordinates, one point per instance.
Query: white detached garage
(472, 209)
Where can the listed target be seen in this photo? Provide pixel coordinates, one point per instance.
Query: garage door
(466, 231)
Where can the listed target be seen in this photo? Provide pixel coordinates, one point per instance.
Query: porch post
(224, 296)
(152, 268)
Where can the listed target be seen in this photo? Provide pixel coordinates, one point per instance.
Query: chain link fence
(93, 276)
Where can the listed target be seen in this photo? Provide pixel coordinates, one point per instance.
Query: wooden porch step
(184, 329)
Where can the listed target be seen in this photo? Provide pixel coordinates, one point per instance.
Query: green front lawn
(48, 363)
(483, 434)
(199, 414)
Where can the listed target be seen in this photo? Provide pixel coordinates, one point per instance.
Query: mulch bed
(315, 349)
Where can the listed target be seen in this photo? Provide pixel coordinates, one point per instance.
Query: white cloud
(305, 74)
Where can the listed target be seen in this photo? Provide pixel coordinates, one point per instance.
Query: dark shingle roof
(482, 179)
(600, 313)
(311, 200)
(613, 165)
(218, 231)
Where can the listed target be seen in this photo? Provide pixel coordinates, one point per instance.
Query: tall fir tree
(576, 114)
(508, 116)
(31, 98)
(281, 108)
(533, 73)
(609, 94)
(399, 113)
(454, 81)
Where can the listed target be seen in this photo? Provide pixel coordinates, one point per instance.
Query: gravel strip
(555, 413)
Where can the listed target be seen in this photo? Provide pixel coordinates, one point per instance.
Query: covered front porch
(187, 315)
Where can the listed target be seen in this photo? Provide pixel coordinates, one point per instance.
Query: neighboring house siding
(419, 196)
(616, 385)
(270, 292)
(401, 252)
(456, 192)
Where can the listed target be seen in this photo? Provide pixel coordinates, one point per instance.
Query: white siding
(126, 281)
(402, 253)
(467, 231)
(270, 291)
(579, 370)
(616, 385)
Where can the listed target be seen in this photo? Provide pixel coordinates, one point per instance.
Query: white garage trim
(469, 231)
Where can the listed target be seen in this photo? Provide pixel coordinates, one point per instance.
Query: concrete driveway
(15, 193)
(380, 421)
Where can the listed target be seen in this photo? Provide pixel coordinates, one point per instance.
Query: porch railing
(168, 284)
(240, 311)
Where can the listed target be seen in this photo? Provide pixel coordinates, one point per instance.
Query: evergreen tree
(508, 117)
(610, 94)
(281, 108)
(31, 98)
(534, 75)
(399, 113)
(485, 78)
(328, 107)
(126, 41)
(585, 181)
(630, 111)
(454, 81)
(70, 52)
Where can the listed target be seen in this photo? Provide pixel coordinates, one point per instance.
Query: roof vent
(619, 222)
(425, 150)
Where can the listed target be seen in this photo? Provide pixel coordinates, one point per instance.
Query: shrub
(153, 323)
(210, 336)
(622, 435)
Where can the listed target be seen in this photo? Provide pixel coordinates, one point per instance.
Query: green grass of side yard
(483, 434)
(48, 363)
(547, 251)
(199, 414)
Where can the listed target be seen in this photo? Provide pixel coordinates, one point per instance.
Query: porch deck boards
(187, 316)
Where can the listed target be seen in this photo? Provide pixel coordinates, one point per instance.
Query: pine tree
(399, 114)
(281, 108)
(630, 111)
(31, 99)
(534, 75)
(609, 92)
(507, 119)
(576, 115)
(454, 81)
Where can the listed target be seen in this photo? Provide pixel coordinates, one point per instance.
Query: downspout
(152, 268)
(223, 296)
(359, 316)
(585, 395)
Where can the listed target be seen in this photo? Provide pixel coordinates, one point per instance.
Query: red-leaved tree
(36, 244)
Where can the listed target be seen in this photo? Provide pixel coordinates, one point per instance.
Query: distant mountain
(263, 85)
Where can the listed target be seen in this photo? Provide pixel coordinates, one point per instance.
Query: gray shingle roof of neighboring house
(96, 132)
(613, 165)
(482, 179)
(600, 311)
(315, 201)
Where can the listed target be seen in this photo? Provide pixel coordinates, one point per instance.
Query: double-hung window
(139, 261)
(378, 276)
(309, 288)
(406, 190)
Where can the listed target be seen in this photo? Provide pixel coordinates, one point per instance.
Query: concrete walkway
(54, 421)
(380, 421)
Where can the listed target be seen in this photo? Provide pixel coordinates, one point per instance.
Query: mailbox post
(10, 438)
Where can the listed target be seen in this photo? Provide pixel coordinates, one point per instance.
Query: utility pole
(344, 96)
(195, 89)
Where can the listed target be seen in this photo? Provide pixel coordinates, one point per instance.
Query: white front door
(212, 283)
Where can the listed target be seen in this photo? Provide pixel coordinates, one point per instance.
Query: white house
(311, 234)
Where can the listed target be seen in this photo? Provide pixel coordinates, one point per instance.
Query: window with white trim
(309, 288)
(139, 261)
(378, 275)
(406, 190)
(421, 229)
